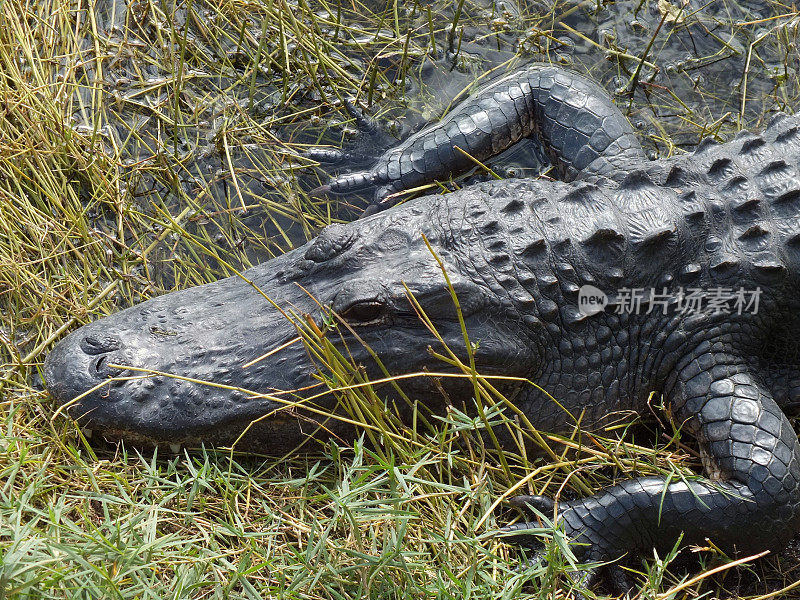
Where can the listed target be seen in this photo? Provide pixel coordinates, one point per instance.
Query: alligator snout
(184, 367)
(85, 367)
(75, 366)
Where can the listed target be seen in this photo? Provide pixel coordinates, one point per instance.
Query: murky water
(215, 136)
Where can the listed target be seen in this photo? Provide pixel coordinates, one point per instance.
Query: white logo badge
(591, 300)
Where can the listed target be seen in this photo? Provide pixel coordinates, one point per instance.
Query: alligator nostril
(102, 368)
(98, 365)
(98, 344)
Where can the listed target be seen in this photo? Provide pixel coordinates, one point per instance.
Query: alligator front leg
(582, 131)
(752, 452)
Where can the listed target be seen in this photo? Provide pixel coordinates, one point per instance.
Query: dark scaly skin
(584, 133)
(517, 253)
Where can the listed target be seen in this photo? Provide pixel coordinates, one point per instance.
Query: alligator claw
(535, 507)
(520, 534)
(582, 580)
(320, 192)
(371, 210)
(620, 581)
(364, 122)
(538, 506)
(330, 156)
(382, 200)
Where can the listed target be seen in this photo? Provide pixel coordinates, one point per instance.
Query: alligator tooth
(87, 433)
(175, 448)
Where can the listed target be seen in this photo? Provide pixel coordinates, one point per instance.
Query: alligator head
(193, 370)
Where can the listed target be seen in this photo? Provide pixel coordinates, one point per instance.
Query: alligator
(676, 276)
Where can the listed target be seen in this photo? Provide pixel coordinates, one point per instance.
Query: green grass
(159, 148)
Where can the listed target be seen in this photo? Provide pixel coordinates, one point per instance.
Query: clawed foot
(335, 156)
(366, 125)
(364, 151)
(581, 544)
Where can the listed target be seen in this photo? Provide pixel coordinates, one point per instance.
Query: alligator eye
(363, 313)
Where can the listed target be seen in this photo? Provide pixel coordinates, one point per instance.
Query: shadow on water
(209, 117)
